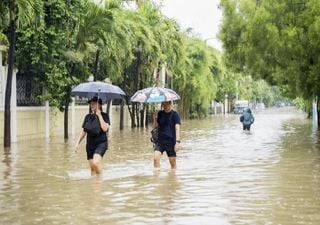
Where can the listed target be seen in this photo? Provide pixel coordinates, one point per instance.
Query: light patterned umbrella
(155, 94)
(99, 89)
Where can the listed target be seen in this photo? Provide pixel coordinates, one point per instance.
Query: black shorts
(167, 148)
(100, 149)
(246, 126)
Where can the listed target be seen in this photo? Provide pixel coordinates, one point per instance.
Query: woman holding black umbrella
(95, 127)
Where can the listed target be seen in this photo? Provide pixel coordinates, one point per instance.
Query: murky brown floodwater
(224, 176)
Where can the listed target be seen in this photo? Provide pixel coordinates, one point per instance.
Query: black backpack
(92, 125)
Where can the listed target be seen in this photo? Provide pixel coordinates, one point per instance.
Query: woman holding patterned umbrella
(168, 123)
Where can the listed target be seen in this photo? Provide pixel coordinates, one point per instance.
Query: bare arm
(104, 125)
(177, 145)
(155, 117)
(80, 138)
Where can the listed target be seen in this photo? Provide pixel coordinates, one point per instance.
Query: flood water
(224, 176)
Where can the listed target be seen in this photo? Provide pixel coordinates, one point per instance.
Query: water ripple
(224, 176)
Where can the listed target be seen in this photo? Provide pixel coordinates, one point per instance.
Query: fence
(31, 119)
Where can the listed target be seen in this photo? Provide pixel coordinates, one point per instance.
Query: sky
(203, 16)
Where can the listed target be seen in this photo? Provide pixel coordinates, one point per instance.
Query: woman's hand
(76, 147)
(97, 111)
(81, 136)
(177, 147)
(155, 117)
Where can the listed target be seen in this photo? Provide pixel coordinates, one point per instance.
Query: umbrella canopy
(100, 89)
(155, 94)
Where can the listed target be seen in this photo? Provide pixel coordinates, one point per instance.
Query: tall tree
(90, 28)
(275, 40)
(21, 13)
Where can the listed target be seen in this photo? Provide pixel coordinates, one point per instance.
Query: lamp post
(216, 44)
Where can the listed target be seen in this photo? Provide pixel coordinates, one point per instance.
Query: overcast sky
(201, 15)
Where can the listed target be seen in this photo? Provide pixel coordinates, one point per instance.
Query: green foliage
(197, 86)
(74, 39)
(4, 23)
(40, 52)
(4, 17)
(275, 40)
(303, 104)
(263, 92)
(3, 39)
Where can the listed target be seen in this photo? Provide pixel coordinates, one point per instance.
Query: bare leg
(97, 163)
(93, 173)
(173, 162)
(156, 160)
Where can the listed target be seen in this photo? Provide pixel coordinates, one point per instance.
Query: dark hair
(95, 99)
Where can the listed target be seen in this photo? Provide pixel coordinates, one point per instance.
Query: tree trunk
(96, 66)
(147, 115)
(66, 105)
(318, 112)
(141, 117)
(121, 115)
(66, 113)
(121, 125)
(108, 107)
(130, 111)
(132, 116)
(7, 103)
(136, 108)
(66, 120)
(135, 113)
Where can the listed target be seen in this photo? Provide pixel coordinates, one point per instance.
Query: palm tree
(91, 29)
(116, 54)
(27, 10)
(161, 48)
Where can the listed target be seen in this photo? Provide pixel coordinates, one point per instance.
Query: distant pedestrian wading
(247, 119)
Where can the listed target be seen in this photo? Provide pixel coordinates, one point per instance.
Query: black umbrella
(99, 89)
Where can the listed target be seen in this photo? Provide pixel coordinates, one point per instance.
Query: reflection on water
(224, 176)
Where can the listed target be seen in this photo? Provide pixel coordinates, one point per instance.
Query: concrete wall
(44, 122)
(31, 121)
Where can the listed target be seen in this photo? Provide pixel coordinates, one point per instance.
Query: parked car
(280, 104)
(240, 106)
(239, 110)
(260, 106)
